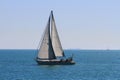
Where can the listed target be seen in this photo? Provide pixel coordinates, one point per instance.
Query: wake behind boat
(50, 51)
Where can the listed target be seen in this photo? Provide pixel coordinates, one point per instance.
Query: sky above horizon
(81, 24)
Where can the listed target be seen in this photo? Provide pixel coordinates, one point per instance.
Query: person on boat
(70, 58)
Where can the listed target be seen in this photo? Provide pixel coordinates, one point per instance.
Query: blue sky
(82, 24)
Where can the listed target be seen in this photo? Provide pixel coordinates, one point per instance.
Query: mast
(55, 38)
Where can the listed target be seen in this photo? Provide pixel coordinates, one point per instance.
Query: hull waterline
(55, 62)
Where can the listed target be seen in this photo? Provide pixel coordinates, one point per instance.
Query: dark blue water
(90, 65)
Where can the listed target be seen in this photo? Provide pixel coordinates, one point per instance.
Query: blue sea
(90, 65)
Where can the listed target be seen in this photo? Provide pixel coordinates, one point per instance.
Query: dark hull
(55, 62)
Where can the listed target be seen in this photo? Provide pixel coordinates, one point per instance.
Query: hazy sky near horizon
(81, 24)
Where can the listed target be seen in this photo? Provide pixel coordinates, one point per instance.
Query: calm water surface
(90, 65)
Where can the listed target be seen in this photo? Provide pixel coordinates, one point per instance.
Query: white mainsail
(46, 49)
(55, 39)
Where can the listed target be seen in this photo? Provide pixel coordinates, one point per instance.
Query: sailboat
(50, 51)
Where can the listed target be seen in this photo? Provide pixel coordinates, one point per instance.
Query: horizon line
(63, 49)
